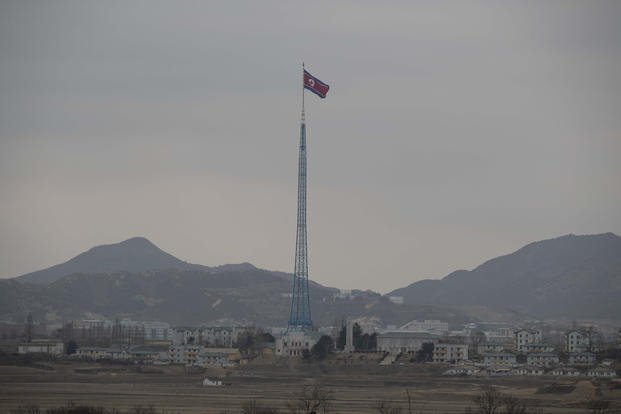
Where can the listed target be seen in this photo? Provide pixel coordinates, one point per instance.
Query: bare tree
(313, 400)
(255, 407)
(513, 405)
(598, 406)
(387, 407)
(488, 401)
(411, 402)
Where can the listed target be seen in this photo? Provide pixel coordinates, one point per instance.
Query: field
(355, 388)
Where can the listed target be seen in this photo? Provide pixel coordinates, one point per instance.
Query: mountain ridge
(549, 278)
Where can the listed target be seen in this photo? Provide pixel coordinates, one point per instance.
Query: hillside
(133, 255)
(138, 280)
(569, 276)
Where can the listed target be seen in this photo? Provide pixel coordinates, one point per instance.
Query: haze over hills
(576, 276)
(570, 276)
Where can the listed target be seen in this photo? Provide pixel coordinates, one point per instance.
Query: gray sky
(453, 131)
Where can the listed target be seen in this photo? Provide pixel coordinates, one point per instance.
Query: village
(475, 350)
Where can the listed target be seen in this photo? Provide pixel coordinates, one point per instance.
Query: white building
(294, 343)
(565, 372)
(524, 337)
(601, 373)
(222, 336)
(184, 354)
(577, 341)
(499, 335)
(529, 371)
(499, 358)
(450, 353)
(402, 342)
(182, 335)
(152, 331)
(432, 326)
(41, 347)
(218, 357)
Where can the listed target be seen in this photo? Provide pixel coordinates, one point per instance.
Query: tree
(488, 401)
(342, 337)
(322, 348)
(387, 407)
(312, 400)
(71, 347)
(598, 406)
(425, 353)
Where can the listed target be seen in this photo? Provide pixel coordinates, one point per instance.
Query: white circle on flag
(311, 82)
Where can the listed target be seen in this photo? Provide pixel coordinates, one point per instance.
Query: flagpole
(303, 116)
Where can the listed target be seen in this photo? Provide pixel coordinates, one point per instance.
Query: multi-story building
(182, 335)
(524, 336)
(577, 340)
(450, 352)
(222, 336)
(294, 343)
(186, 354)
(220, 357)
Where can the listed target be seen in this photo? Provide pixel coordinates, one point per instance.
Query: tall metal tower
(300, 316)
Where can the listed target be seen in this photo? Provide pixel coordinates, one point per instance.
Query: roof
(408, 334)
(543, 354)
(492, 354)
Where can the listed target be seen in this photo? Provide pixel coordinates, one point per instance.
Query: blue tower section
(300, 316)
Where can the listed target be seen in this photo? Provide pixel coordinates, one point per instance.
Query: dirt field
(356, 389)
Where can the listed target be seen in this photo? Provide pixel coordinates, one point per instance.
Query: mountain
(134, 255)
(136, 279)
(570, 276)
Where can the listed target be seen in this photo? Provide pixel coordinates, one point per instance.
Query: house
(529, 371)
(41, 347)
(401, 342)
(462, 371)
(149, 354)
(565, 372)
(525, 336)
(542, 359)
(92, 352)
(577, 340)
(219, 357)
(499, 358)
(450, 352)
(537, 348)
(601, 373)
(581, 358)
(490, 347)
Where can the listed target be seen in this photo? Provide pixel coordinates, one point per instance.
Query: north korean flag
(315, 85)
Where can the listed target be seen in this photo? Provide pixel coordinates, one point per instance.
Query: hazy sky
(453, 131)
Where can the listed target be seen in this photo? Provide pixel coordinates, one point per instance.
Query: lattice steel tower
(300, 317)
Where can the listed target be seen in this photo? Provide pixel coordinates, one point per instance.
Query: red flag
(315, 85)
